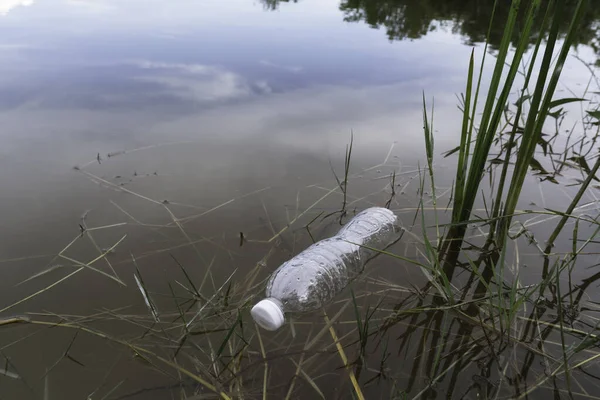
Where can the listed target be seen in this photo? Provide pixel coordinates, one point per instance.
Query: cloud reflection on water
(7, 5)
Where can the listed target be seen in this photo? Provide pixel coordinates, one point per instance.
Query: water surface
(123, 116)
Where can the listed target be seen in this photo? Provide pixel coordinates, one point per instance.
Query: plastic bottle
(313, 278)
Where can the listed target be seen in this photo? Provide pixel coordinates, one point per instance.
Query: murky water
(206, 133)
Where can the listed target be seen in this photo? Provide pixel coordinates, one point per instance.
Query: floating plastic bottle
(315, 276)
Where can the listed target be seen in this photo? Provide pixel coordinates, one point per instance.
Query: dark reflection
(274, 4)
(406, 19)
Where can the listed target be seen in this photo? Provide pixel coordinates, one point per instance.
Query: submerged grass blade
(147, 299)
(342, 354)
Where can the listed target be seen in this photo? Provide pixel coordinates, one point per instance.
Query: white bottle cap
(268, 314)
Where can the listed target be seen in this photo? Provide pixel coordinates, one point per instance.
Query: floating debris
(115, 153)
(9, 374)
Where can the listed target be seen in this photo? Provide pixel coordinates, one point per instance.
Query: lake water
(206, 133)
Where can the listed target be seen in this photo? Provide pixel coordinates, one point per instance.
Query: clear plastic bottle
(315, 276)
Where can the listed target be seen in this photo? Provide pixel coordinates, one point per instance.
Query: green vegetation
(482, 324)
